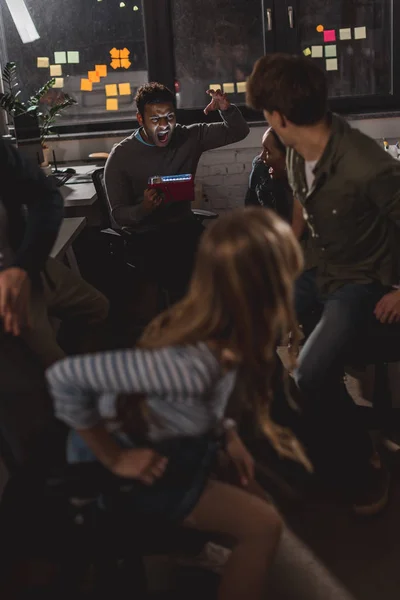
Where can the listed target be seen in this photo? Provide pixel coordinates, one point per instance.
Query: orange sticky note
(111, 89)
(114, 53)
(93, 77)
(124, 89)
(115, 64)
(86, 85)
(124, 53)
(320, 28)
(101, 70)
(112, 104)
(125, 63)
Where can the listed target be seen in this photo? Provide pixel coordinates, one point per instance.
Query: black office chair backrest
(104, 205)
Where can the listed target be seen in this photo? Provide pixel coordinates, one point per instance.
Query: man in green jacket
(349, 189)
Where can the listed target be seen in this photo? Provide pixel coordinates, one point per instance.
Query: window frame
(159, 43)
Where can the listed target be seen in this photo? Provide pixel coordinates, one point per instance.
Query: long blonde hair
(241, 297)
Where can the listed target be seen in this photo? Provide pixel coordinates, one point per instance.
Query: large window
(100, 51)
(94, 48)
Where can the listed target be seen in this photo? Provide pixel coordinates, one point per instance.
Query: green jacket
(351, 210)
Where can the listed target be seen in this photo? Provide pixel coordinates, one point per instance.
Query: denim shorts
(172, 497)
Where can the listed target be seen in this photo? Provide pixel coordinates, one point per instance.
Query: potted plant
(40, 107)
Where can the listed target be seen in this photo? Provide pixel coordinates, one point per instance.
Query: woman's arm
(77, 382)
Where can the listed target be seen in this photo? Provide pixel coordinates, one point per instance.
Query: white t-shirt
(309, 167)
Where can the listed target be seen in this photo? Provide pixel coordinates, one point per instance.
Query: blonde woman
(238, 304)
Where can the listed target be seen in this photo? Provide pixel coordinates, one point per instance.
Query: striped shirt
(185, 387)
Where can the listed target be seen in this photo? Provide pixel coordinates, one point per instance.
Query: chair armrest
(204, 214)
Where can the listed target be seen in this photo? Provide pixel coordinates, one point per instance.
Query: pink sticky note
(330, 35)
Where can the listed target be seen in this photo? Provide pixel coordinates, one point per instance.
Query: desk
(69, 231)
(79, 194)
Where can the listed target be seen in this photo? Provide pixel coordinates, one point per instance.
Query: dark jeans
(330, 413)
(168, 254)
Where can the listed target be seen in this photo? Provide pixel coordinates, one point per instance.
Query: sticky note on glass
(215, 86)
(114, 53)
(331, 64)
(101, 70)
(229, 88)
(329, 35)
(241, 87)
(59, 82)
(317, 51)
(112, 104)
(93, 76)
(111, 89)
(55, 70)
(73, 57)
(307, 52)
(125, 63)
(60, 58)
(43, 62)
(124, 53)
(124, 89)
(86, 85)
(330, 51)
(345, 34)
(360, 33)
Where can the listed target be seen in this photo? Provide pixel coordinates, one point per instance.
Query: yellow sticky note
(86, 85)
(112, 104)
(60, 58)
(317, 51)
(125, 63)
(124, 53)
(73, 57)
(345, 34)
(229, 88)
(43, 62)
(307, 52)
(93, 77)
(331, 64)
(241, 87)
(101, 70)
(360, 33)
(59, 82)
(124, 89)
(114, 53)
(215, 86)
(111, 89)
(55, 70)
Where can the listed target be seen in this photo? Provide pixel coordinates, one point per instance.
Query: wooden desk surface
(69, 231)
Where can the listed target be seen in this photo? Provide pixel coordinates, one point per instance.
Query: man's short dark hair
(292, 85)
(153, 93)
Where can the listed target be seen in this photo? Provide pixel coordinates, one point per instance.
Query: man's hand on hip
(15, 288)
(219, 101)
(151, 199)
(388, 308)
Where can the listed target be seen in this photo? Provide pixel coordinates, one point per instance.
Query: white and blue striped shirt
(185, 387)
